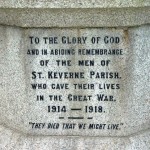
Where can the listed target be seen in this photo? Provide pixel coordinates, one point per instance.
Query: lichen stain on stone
(126, 36)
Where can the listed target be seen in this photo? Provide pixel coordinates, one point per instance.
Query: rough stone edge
(73, 4)
(82, 18)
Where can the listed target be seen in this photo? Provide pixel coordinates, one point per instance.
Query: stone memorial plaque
(71, 85)
(74, 75)
(75, 81)
(78, 82)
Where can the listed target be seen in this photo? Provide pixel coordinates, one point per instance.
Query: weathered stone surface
(18, 105)
(120, 17)
(73, 4)
(12, 140)
(69, 13)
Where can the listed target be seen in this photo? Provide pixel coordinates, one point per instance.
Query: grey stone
(19, 106)
(129, 111)
(69, 13)
(81, 18)
(12, 140)
(73, 4)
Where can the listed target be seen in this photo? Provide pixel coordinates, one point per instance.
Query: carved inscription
(75, 80)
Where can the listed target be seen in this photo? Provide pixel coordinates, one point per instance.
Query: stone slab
(69, 13)
(21, 18)
(19, 108)
(72, 17)
(73, 4)
(11, 139)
